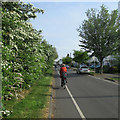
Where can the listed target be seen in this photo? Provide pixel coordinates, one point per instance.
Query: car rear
(84, 69)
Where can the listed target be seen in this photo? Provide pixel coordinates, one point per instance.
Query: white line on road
(75, 103)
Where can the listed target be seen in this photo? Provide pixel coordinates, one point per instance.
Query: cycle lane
(64, 107)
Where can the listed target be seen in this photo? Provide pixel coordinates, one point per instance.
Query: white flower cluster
(6, 112)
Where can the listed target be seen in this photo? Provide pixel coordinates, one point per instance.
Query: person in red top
(63, 69)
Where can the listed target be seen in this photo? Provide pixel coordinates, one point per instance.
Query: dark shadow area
(109, 79)
(116, 77)
(55, 88)
(70, 75)
(49, 74)
(89, 97)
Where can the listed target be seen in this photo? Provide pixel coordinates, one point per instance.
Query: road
(85, 97)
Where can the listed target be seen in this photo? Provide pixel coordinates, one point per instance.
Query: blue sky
(60, 21)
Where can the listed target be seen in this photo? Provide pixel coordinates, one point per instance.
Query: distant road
(85, 97)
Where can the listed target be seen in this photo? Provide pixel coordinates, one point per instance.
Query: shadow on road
(80, 97)
(88, 97)
(70, 75)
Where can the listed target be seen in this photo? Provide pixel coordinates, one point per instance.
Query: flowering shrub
(25, 55)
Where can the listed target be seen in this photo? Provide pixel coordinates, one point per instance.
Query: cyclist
(63, 74)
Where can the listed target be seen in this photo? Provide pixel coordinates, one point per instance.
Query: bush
(118, 67)
(107, 69)
(113, 69)
(25, 54)
(97, 70)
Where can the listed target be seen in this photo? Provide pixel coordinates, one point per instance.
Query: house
(109, 60)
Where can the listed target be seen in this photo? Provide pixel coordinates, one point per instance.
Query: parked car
(83, 69)
(97, 66)
(92, 66)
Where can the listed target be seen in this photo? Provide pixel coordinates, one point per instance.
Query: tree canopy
(99, 33)
(80, 56)
(25, 54)
(67, 60)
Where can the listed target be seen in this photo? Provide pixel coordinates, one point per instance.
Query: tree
(25, 55)
(49, 52)
(80, 56)
(67, 60)
(99, 33)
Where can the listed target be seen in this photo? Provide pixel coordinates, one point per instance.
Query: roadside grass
(117, 78)
(110, 78)
(92, 72)
(35, 102)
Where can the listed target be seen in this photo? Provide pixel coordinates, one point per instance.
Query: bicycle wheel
(63, 83)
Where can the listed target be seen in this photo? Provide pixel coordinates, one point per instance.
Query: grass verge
(115, 79)
(35, 102)
(92, 73)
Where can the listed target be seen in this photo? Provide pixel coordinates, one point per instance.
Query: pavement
(108, 76)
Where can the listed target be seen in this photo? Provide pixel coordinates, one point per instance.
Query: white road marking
(104, 80)
(75, 103)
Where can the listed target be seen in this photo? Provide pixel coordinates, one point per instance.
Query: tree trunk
(101, 66)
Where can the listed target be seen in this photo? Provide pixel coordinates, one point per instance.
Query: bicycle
(63, 82)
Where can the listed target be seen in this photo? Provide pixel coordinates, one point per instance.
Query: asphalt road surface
(85, 97)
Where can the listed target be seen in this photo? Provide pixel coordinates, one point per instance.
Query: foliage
(24, 56)
(113, 69)
(117, 61)
(100, 32)
(107, 69)
(34, 102)
(67, 60)
(118, 66)
(80, 56)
